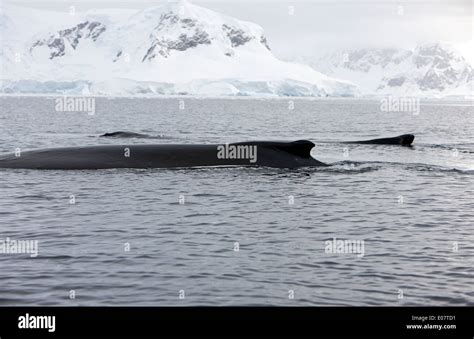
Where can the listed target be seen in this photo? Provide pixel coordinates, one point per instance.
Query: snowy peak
(182, 26)
(174, 33)
(172, 27)
(174, 48)
(57, 43)
(438, 69)
(432, 69)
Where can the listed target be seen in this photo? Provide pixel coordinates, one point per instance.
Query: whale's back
(259, 153)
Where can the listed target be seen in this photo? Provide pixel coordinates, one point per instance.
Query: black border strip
(290, 322)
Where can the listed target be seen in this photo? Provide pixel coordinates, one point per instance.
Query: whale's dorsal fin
(301, 148)
(406, 139)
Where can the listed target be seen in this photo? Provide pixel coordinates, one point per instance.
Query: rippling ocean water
(242, 236)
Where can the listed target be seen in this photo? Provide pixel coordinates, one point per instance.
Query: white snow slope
(175, 48)
(429, 70)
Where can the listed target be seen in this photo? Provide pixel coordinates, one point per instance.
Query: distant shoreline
(236, 97)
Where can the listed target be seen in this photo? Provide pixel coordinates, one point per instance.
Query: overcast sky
(306, 27)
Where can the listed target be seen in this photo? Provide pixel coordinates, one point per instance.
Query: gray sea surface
(242, 236)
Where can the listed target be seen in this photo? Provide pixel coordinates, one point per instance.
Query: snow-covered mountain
(429, 70)
(174, 48)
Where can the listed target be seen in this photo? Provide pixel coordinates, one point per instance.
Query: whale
(124, 134)
(277, 154)
(402, 140)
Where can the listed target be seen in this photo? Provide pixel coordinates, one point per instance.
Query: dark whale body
(122, 134)
(403, 140)
(268, 153)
